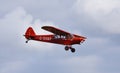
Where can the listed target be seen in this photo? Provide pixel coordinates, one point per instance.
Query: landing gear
(66, 48)
(69, 47)
(26, 41)
(72, 50)
(30, 38)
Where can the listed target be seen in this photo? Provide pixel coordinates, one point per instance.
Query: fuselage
(58, 39)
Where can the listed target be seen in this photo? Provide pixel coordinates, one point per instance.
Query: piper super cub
(58, 37)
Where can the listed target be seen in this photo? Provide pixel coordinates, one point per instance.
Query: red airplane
(58, 37)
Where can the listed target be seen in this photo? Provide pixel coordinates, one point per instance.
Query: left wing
(55, 30)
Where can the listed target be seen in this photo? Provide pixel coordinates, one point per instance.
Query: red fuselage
(57, 39)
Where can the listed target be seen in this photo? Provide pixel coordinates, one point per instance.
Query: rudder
(29, 33)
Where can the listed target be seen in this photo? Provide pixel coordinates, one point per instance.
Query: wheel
(26, 41)
(72, 50)
(66, 48)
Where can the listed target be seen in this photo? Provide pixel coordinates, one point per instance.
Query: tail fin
(29, 33)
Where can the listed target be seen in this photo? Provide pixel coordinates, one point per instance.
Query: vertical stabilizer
(29, 33)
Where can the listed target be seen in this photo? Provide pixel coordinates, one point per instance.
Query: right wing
(55, 30)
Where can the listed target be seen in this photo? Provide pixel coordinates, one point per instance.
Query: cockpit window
(59, 37)
(63, 36)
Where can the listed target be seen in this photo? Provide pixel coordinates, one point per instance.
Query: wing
(55, 30)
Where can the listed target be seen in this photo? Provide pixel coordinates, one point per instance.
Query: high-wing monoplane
(58, 37)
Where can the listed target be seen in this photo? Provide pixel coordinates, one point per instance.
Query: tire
(26, 41)
(72, 50)
(66, 48)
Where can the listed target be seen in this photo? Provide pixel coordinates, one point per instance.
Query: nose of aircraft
(82, 39)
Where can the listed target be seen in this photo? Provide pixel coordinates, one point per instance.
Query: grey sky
(98, 20)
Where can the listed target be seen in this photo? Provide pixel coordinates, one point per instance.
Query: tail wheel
(72, 50)
(66, 48)
(27, 41)
(30, 38)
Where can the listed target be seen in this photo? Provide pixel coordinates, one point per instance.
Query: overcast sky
(98, 20)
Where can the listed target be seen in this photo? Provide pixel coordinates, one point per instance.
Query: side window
(55, 36)
(60, 37)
